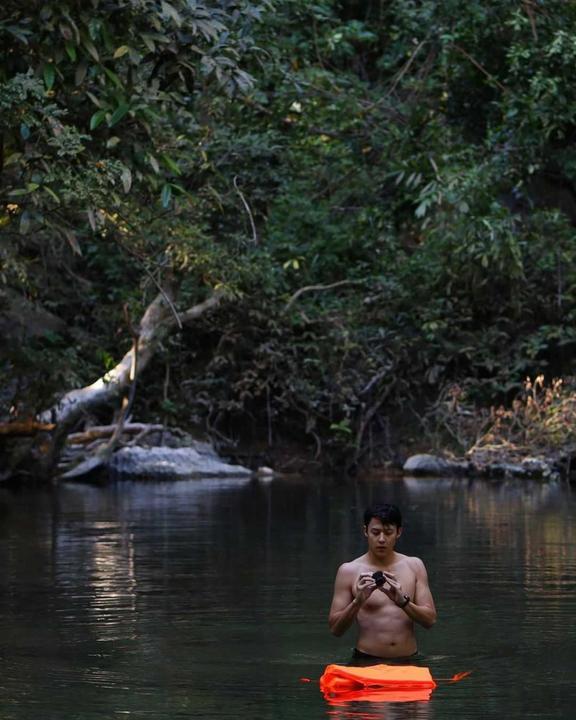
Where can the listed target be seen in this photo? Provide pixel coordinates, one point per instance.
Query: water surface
(209, 599)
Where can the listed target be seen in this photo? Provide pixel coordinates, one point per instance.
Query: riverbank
(532, 438)
(495, 464)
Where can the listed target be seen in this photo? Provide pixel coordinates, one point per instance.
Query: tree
(104, 111)
(387, 187)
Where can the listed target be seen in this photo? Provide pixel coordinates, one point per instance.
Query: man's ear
(365, 528)
(400, 531)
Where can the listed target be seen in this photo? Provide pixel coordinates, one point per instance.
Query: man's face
(381, 537)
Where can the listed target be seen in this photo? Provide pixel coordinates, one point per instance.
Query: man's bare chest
(403, 574)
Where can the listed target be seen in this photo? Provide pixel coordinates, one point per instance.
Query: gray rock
(528, 468)
(433, 465)
(535, 467)
(172, 462)
(265, 472)
(504, 469)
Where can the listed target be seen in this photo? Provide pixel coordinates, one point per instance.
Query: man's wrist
(405, 600)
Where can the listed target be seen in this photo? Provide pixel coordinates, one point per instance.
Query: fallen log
(156, 324)
(85, 467)
(158, 321)
(25, 427)
(103, 431)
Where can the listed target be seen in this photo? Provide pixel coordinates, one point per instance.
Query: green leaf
(149, 42)
(25, 222)
(97, 119)
(115, 79)
(49, 74)
(121, 51)
(422, 208)
(80, 74)
(51, 193)
(73, 25)
(72, 240)
(126, 178)
(71, 51)
(118, 114)
(89, 45)
(30, 187)
(154, 163)
(170, 11)
(166, 195)
(18, 32)
(13, 158)
(171, 164)
(94, 99)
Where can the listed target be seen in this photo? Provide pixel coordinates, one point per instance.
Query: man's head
(386, 513)
(382, 528)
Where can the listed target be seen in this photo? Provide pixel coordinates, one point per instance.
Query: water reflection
(95, 571)
(414, 710)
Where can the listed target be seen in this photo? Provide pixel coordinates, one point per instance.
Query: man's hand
(364, 587)
(392, 588)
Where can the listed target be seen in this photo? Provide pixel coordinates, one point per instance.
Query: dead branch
(25, 427)
(367, 417)
(529, 8)
(210, 303)
(127, 402)
(98, 432)
(247, 208)
(142, 434)
(479, 66)
(316, 288)
(405, 68)
(157, 323)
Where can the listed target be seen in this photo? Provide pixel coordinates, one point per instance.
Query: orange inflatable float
(376, 683)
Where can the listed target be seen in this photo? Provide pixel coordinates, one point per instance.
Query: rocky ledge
(146, 451)
(554, 467)
(183, 462)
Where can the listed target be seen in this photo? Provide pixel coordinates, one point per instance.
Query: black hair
(386, 513)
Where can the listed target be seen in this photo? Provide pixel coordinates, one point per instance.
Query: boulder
(165, 462)
(527, 468)
(433, 465)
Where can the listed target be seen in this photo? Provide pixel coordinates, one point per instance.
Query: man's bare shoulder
(415, 563)
(353, 567)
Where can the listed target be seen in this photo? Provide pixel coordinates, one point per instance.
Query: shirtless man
(386, 612)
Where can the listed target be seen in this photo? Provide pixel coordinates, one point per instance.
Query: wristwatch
(406, 601)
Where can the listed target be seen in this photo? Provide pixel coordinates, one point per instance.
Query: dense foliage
(386, 188)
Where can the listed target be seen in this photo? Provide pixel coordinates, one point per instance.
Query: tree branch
(315, 288)
(479, 66)
(247, 208)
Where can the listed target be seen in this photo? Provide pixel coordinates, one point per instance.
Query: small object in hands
(379, 578)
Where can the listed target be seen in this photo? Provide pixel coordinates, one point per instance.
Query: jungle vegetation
(348, 216)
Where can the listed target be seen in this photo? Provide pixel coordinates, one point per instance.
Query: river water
(209, 599)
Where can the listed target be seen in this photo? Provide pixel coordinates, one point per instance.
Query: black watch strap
(406, 601)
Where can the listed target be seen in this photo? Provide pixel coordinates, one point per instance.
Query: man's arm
(421, 608)
(345, 605)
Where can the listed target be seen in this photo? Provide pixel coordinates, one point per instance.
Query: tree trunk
(158, 321)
